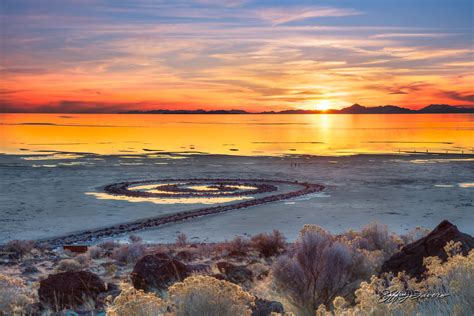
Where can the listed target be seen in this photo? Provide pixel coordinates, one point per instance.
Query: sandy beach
(56, 195)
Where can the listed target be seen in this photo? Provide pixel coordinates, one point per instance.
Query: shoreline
(189, 154)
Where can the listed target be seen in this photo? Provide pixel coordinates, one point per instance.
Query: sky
(104, 56)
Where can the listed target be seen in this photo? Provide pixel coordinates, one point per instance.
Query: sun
(323, 105)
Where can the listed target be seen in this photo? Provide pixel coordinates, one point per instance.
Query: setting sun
(323, 105)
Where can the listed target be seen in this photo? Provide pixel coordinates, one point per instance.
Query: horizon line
(201, 111)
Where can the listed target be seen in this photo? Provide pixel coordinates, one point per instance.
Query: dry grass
(15, 297)
(133, 302)
(129, 253)
(321, 273)
(68, 265)
(455, 276)
(203, 295)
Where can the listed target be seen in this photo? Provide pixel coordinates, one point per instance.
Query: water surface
(129, 134)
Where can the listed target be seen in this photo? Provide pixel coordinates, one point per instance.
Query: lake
(237, 134)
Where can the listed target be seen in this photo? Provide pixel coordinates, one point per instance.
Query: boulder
(69, 289)
(264, 307)
(157, 271)
(234, 273)
(410, 257)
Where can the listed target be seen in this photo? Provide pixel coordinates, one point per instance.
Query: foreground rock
(70, 289)
(157, 271)
(234, 273)
(410, 257)
(266, 308)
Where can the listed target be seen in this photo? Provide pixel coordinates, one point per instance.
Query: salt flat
(42, 198)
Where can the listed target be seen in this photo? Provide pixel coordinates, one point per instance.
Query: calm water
(236, 134)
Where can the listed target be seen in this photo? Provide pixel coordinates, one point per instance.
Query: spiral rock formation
(259, 191)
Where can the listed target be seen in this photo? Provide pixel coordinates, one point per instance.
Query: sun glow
(323, 105)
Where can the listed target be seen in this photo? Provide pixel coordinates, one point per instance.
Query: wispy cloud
(212, 54)
(413, 35)
(284, 15)
(454, 95)
(227, 3)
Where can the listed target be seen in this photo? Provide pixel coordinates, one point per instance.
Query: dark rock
(157, 272)
(410, 257)
(235, 274)
(69, 289)
(239, 275)
(198, 268)
(265, 308)
(76, 248)
(184, 255)
(219, 276)
(224, 266)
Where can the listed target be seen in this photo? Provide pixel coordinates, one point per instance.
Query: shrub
(379, 238)
(373, 237)
(203, 295)
(269, 244)
(135, 238)
(109, 245)
(238, 245)
(83, 259)
(129, 253)
(181, 240)
(205, 250)
(455, 277)
(259, 270)
(19, 248)
(15, 298)
(95, 252)
(68, 265)
(110, 269)
(415, 234)
(132, 302)
(319, 268)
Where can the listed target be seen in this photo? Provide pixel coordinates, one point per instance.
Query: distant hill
(444, 108)
(200, 111)
(385, 109)
(353, 109)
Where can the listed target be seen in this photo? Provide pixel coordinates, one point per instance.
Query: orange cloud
(250, 58)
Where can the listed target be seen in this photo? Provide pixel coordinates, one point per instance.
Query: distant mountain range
(353, 109)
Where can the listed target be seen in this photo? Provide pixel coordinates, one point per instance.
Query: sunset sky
(109, 56)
